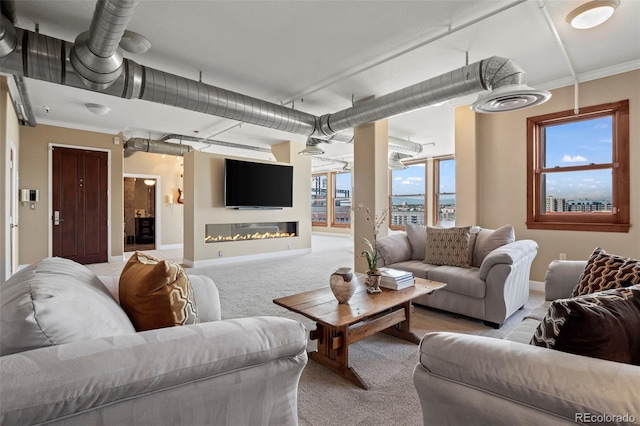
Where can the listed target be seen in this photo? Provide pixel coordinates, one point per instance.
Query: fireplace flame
(244, 237)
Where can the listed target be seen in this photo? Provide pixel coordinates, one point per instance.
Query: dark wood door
(80, 205)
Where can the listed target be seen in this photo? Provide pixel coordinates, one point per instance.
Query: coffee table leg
(402, 330)
(333, 353)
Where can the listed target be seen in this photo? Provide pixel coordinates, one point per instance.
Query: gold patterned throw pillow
(448, 246)
(156, 293)
(605, 271)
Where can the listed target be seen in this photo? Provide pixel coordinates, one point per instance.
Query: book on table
(396, 279)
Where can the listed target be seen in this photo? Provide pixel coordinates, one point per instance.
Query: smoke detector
(510, 98)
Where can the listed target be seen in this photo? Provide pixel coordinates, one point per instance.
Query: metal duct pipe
(29, 118)
(214, 142)
(139, 82)
(490, 73)
(8, 37)
(95, 55)
(133, 145)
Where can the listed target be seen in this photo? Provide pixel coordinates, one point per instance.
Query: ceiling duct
(215, 142)
(133, 145)
(139, 82)
(8, 42)
(95, 55)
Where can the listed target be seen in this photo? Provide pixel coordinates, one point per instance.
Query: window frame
(436, 187)
(391, 195)
(616, 221)
(326, 205)
(334, 189)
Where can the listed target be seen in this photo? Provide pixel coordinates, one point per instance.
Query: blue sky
(411, 180)
(577, 144)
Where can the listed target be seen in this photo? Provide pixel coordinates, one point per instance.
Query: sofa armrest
(207, 298)
(212, 368)
(551, 382)
(508, 254)
(561, 278)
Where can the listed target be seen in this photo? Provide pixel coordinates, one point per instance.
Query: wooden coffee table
(339, 325)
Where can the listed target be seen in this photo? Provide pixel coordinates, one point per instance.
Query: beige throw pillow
(448, 246)
(489, 240)
(156, 293)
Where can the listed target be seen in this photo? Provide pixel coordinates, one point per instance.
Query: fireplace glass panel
(222, 232)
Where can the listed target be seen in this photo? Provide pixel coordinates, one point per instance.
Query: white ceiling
(322, 55)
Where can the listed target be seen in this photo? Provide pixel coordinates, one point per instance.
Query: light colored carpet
(384, 362)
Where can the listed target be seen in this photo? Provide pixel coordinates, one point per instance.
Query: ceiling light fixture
(311, 148)
(149, 182)
(98, 109)
(592, 14)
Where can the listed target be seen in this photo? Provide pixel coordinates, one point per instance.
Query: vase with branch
(370, 253)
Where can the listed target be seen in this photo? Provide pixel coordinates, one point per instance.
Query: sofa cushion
(605, 271)
(460, 280)
(394, 248)
(156, 293)
(448, 246)
(417, 235)
(417, 267)
(56, 301)
(488, 240)
(600, 325)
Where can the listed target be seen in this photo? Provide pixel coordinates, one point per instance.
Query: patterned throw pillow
(605, 271)
(448, 246)
(600, 325)
(156, 293)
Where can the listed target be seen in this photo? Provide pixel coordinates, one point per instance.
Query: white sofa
(218, 372)
(492, 289)
(476, 380)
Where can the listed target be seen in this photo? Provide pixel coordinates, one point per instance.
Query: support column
(466, 167)
(370, 181)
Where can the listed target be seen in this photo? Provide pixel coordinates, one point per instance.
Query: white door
(12, 254)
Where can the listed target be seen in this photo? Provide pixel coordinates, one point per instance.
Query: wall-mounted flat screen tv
(257, 185)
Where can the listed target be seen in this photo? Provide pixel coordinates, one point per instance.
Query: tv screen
(257, 185)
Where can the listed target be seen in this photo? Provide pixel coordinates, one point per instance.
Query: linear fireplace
(223, 232)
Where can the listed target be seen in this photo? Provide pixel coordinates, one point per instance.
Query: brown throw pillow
(156, 293)
(600, 325)
(448, 246)
(605, 271)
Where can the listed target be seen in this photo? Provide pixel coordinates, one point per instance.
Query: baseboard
(170, 246)
(536, 285)
(237, 259)
(119, 258)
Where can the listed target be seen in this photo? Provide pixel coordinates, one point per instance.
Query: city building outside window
(407, 199)
(319, 199)
(445, 194)
(341, 199)
(578, 169)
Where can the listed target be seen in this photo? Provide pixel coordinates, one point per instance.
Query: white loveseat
(492, 289)
(217, 372)
(477, 380)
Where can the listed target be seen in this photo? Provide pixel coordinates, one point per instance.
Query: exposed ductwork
(215, 142)
(8, 42)
(95, 55)
(133, 145)
(47, 59)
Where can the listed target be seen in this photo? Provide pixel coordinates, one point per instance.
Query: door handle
(56, 218)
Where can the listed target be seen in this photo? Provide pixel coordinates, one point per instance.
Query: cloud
(415, 178)
(573, 159)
